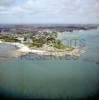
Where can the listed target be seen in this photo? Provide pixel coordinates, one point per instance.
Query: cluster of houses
(26, 37)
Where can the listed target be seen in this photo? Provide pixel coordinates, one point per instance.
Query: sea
(69, 78)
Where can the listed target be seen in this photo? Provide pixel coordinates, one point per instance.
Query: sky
(49, 11)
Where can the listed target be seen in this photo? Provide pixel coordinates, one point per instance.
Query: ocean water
(56, 78)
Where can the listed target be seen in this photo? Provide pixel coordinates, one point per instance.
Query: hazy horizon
(49, 24)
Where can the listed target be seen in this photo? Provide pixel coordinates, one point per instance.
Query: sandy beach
(22, 49)
(0, 41)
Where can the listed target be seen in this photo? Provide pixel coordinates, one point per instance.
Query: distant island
(36, 28)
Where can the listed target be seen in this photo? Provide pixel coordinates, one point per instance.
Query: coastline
(22, 49)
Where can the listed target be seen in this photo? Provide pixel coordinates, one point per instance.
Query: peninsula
(42, 44)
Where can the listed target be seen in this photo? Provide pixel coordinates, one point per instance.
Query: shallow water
(54, 78)
(6, 47)
(6, 51)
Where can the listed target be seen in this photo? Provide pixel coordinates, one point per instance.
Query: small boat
(97, 62)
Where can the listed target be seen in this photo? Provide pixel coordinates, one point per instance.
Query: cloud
(51, 6)
(60, 10)
(6, 2)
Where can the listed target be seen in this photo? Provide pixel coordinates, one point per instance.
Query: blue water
(6, 47)
(55, 78)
